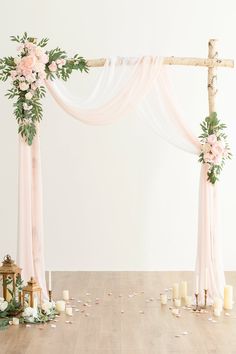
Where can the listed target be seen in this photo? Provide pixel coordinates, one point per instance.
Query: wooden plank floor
(144, 327)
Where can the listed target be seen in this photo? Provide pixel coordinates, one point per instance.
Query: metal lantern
(9, 272)
(32, 293)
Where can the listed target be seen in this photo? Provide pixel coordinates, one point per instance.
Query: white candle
(35, 302)
(218, 304)
(206, 279)
(65, 295)
(69, 311)
(163, 298)
(60, 306)
(228, 297)
(217, 312)
(197, 284)
(188, 301)
(183, 289)
(175, 293)
(177, 302)
(49, 280)
(15, 321)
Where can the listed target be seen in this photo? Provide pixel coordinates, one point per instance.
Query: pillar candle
(218, 303)
(163, 298)
(177, 302)
(183, 289)
(228, 297)
(60, 306)
(35, 302)
(15, 321)
(69, 311)
(65, 295)
(217, 312)
(175, 294)
(188, 301)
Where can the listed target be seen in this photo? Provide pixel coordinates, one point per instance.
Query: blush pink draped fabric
(143, 86)
(30, 214)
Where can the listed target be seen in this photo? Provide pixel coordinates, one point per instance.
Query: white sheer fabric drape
(125, 84)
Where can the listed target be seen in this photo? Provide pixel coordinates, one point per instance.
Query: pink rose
(208, 157)
(212, 139)
(44, 58)
(53, 66)
(39, 67)
(206, 147)
(23, 86)
(26, 64)
(217, 149)
(13, 74)
(33, 87)
(42, 75)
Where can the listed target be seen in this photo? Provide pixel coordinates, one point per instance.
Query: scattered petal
(210, 319)
(88, 294)
(28, 326)
(227, 314)
(122, 311)
(213, 321)
(53, 325)
(72, 298)
(142, 312)
(76, 310)
(184, 333)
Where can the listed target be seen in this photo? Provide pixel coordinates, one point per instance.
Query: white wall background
(117, 197)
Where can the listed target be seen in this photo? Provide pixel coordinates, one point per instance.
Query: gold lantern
(32, 293)
(9, 272)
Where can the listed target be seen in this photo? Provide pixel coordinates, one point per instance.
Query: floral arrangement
(39, 315)
(27, 72)
(214, 147)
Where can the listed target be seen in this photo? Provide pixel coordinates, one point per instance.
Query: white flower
(17, 60)
(47, 307)
(3, 305)
(28, 96)
(1, 299)
(24, 86)
(30, 312)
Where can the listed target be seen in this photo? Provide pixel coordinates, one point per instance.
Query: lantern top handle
(7, 259)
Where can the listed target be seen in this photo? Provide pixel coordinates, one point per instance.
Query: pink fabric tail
(30, 216)
(208, 250)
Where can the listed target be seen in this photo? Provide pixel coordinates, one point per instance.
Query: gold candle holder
(50, 295)
(205, 298)
(196, 299)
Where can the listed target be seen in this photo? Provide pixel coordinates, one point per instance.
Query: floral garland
(214, 147)
(39, 315)
(27, 72)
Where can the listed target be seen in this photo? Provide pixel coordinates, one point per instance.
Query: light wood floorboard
(143, 327)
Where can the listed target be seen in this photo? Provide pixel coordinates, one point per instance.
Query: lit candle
(60, 306)
(163, 298)
(35, 303)
(206, 279)
(183, 289)
(15, 321)
(65, 295)
(50, 281)
(197, 284)
(175, 294)
(69, 311)
(228, 297)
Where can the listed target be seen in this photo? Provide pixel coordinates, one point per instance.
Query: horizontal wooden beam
(228, 63)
